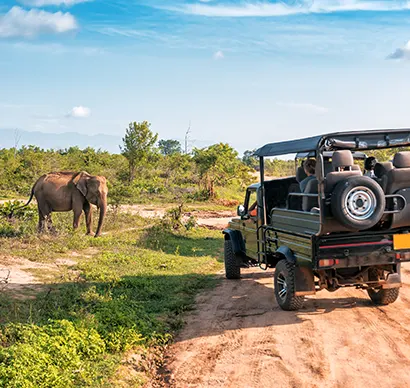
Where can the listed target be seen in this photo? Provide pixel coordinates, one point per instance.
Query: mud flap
(393, 281)
(304, 281)
(243, 261)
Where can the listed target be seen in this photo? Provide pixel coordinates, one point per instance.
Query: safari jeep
(344, 230)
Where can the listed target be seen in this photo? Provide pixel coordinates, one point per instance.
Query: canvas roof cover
(354, 140)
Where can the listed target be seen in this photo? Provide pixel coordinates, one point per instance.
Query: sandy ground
(18, 275)
(239, 337)
(211, 219)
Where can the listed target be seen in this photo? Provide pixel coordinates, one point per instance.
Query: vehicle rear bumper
(393, 281)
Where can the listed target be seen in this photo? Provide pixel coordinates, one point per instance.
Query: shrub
(58, 354)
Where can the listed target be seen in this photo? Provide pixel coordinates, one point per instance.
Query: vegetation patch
(128, 294)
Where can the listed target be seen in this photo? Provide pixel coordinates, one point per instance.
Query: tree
(138, 144)
(217, 165)
(249, 159)
(169, 147)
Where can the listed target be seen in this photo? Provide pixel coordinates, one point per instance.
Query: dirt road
(238, 337)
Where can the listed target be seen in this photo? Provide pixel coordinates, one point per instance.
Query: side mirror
(241, 211)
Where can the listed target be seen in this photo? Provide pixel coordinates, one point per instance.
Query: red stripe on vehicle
(384, 242)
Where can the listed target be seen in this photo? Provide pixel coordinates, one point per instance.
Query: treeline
(145, 170)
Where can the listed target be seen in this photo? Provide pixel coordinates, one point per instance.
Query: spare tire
(358, 202)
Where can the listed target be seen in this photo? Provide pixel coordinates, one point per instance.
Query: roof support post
(262, 180)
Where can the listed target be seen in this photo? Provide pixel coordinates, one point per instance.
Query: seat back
(310, 202)
(398, 182)
(399, 177)
(294, 201)
(300, 174)
(381, 170)
(327, 167)
(343, 167)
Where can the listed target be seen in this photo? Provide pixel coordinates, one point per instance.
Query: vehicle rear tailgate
(362, 249)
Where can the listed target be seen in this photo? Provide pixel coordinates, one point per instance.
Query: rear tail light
(328, 262)
(403, 256)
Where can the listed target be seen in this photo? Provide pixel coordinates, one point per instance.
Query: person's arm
(252, 211)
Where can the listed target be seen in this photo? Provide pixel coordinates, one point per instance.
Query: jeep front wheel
(232, 270)
(284, 282)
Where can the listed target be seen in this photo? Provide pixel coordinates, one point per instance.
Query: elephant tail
(25, 205)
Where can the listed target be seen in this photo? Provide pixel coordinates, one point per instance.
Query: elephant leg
(43, 213)
(88, 217)
(77, 216)
(50, 224)
(41, 222)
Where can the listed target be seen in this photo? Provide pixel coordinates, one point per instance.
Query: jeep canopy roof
(354, 140)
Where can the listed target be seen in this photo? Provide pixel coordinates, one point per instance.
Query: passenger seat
(343, 167)
(295, 202)
(398, 182)
(381, 171)
(399, 177)
(308, 203)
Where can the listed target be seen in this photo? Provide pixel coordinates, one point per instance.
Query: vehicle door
(249, 223)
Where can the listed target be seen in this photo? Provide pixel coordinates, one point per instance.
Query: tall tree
(138, 144)
(169, 147)
(217, 165)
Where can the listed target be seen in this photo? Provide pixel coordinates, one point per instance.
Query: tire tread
(293, 302)
(384, 296)
(232, 270)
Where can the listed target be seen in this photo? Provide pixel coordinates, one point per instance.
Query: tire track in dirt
(238, 337)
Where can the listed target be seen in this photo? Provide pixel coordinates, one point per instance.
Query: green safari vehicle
(344, 230)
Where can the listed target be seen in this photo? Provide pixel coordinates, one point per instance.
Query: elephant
(65, 191)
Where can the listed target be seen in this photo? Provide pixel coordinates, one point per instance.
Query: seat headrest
(402, 159)
(300, 174)
(381, 168)
(343, 158)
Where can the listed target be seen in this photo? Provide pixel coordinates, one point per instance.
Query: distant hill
(59, 140)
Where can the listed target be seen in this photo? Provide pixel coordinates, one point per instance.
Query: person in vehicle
(369, 165)
(253, 211)
(310, 167)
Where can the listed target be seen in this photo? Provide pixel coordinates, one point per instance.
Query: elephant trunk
(103, 209)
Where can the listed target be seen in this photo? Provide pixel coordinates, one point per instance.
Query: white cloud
(19, 22)
(44, 3)
(267, 9)
(80, 112)
(113, 31)
(401, 53)
(304, 106)
(219, 55)
(57, 48)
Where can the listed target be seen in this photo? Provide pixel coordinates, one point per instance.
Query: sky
(244, 72)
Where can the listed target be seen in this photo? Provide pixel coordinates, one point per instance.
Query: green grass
(126, 293)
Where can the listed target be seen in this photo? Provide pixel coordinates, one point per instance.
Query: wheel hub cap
(360, 203)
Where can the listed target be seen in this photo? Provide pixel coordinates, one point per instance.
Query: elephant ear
(80, 181)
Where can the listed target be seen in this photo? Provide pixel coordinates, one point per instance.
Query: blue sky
(244, 72)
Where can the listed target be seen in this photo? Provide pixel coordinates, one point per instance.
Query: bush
(13, 209)
(174, 219)
(58, 354)
(10, 212)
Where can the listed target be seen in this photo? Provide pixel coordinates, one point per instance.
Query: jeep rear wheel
(284, 282)
(358, 202)
(232, 270)
(383, 296)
